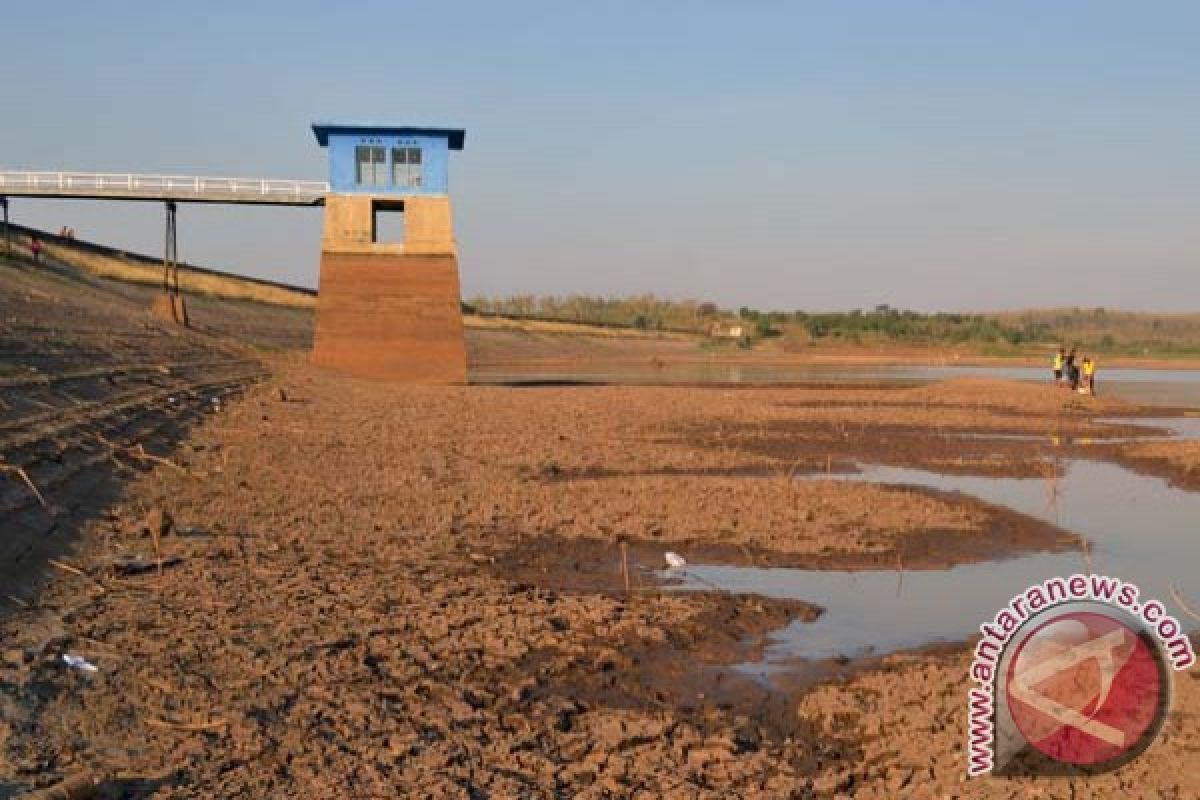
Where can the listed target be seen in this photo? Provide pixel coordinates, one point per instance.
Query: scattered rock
(746, 737)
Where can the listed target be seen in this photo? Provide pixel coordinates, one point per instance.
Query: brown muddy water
(1139, 529)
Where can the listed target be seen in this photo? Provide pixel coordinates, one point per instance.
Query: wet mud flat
(452, 592)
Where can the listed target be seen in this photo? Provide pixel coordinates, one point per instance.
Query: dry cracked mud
(376, 591)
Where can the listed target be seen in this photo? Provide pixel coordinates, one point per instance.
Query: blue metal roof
(454, 136)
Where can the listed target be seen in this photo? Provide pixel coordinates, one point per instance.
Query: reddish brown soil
(1178, 462)
(366, 601)
(375, 591)
(978, 427)
(908, 717)
(390, 317)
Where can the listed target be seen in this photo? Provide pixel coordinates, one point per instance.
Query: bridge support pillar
(170, 305)
(390, 311)
(7, 232)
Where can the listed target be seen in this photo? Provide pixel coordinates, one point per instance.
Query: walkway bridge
(166, 189)
(163, 188)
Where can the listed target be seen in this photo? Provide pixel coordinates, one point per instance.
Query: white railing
(159, 185)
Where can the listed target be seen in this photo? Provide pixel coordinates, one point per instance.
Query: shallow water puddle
(1177, 429)
(1163, 387)
(1139, 529)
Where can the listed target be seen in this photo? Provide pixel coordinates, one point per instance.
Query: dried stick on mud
(76, 787)
(25, 477)
(790, 476)
(155, 537)
(1053, 492)
(112, 649)
(54, 562)
(137, 452)
(625, 565)
(1187, 609)
(1086, 547)
(140, 452)
(186, 727)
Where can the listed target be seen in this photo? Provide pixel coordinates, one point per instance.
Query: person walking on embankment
(35, 249)
(1089, 376)
(1059, 358)
(1072, 370)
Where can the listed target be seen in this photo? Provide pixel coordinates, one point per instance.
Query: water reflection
(1178, 388)
(1140, 530)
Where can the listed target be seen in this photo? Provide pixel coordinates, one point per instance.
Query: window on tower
(406, 167)
(370, 165)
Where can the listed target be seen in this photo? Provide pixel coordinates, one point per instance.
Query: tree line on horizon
(1097, 329)
(645, 312)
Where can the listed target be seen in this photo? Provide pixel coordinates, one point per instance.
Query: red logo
(1085, 688)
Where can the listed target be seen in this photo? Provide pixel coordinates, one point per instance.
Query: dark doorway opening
(388, 222)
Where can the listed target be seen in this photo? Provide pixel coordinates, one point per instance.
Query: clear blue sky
(953, 155)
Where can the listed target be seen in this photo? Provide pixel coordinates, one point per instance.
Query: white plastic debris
(79, 663)
(674, 560)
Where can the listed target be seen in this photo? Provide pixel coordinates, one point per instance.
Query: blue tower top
(388, 159)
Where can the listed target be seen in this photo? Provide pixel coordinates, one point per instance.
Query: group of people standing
(1078, 375)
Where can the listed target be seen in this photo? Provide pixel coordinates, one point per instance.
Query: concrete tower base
(390, 311)
(390, 317)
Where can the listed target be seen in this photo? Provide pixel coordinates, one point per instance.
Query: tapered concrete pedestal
(391, 317)
(390, 311)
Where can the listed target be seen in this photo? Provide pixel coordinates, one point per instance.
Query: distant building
(727, 330)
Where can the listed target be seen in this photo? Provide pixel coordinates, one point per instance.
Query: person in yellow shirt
(1059, 357)
(1089, 375)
